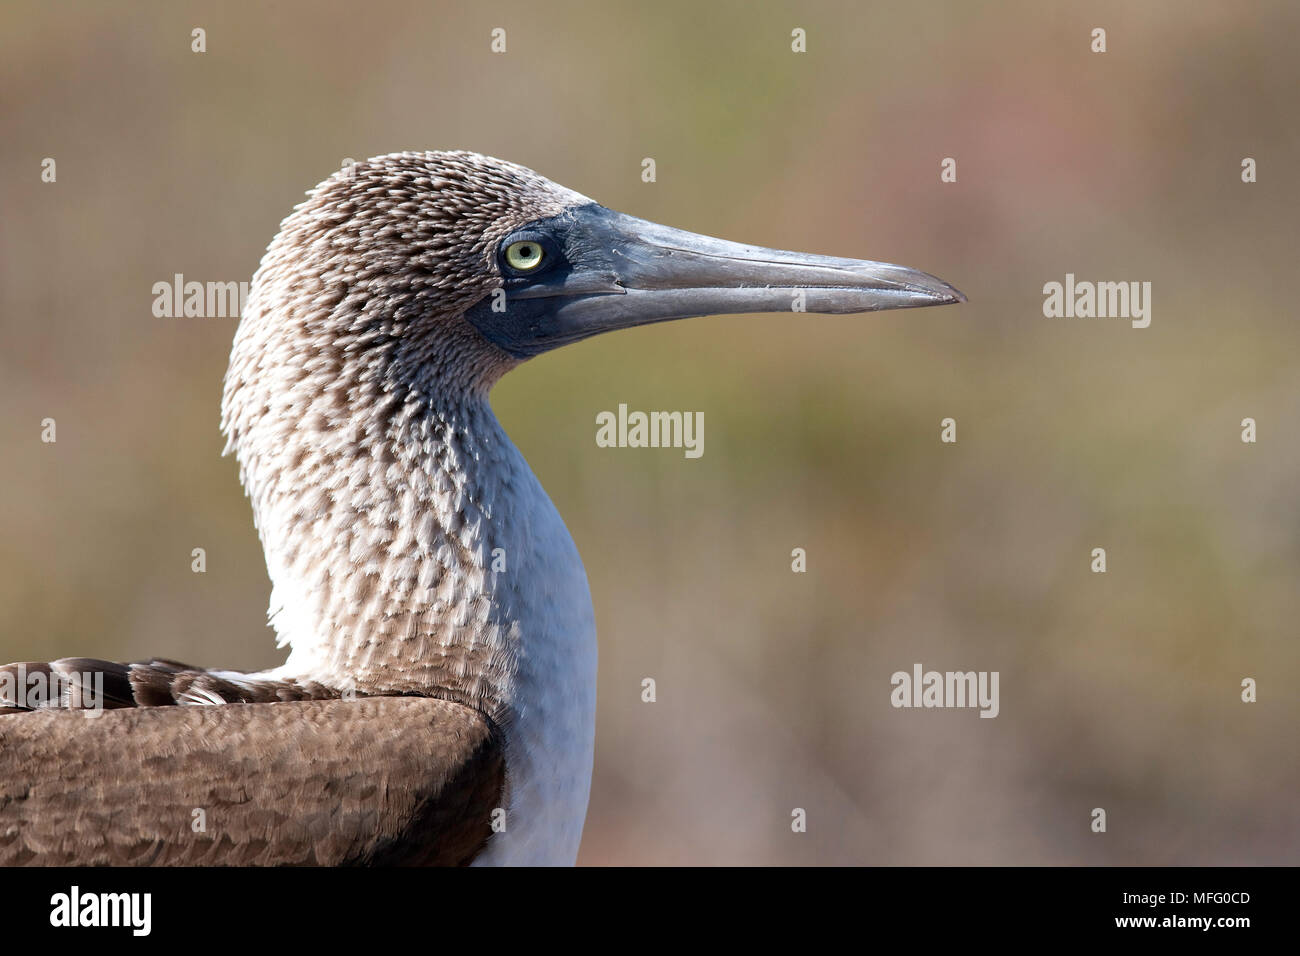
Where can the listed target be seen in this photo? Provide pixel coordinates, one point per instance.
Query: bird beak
(618, 272)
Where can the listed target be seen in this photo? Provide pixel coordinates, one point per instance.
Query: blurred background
(1118, 690)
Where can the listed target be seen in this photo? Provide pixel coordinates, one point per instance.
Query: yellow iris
(524, 256)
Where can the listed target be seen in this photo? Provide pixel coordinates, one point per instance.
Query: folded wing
(365, 781)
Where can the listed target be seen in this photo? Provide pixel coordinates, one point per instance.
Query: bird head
(473, 264)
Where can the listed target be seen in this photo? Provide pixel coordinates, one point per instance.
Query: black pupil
(526, 252)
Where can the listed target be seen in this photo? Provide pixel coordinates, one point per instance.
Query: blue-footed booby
(437, 705)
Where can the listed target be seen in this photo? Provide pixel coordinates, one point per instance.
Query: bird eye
(525, 256)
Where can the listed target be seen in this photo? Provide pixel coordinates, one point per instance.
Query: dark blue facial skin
(528, 325)
(602, 270)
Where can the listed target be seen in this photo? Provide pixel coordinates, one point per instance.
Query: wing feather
(369, 781)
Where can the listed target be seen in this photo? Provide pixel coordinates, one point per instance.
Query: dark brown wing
(85, 683)
(375, 780)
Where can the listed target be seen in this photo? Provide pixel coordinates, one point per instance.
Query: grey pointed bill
(592, 270)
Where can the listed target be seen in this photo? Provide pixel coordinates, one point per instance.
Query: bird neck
(388, 510)
(411, 550)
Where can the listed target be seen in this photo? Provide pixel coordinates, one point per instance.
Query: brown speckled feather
(380, 780)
